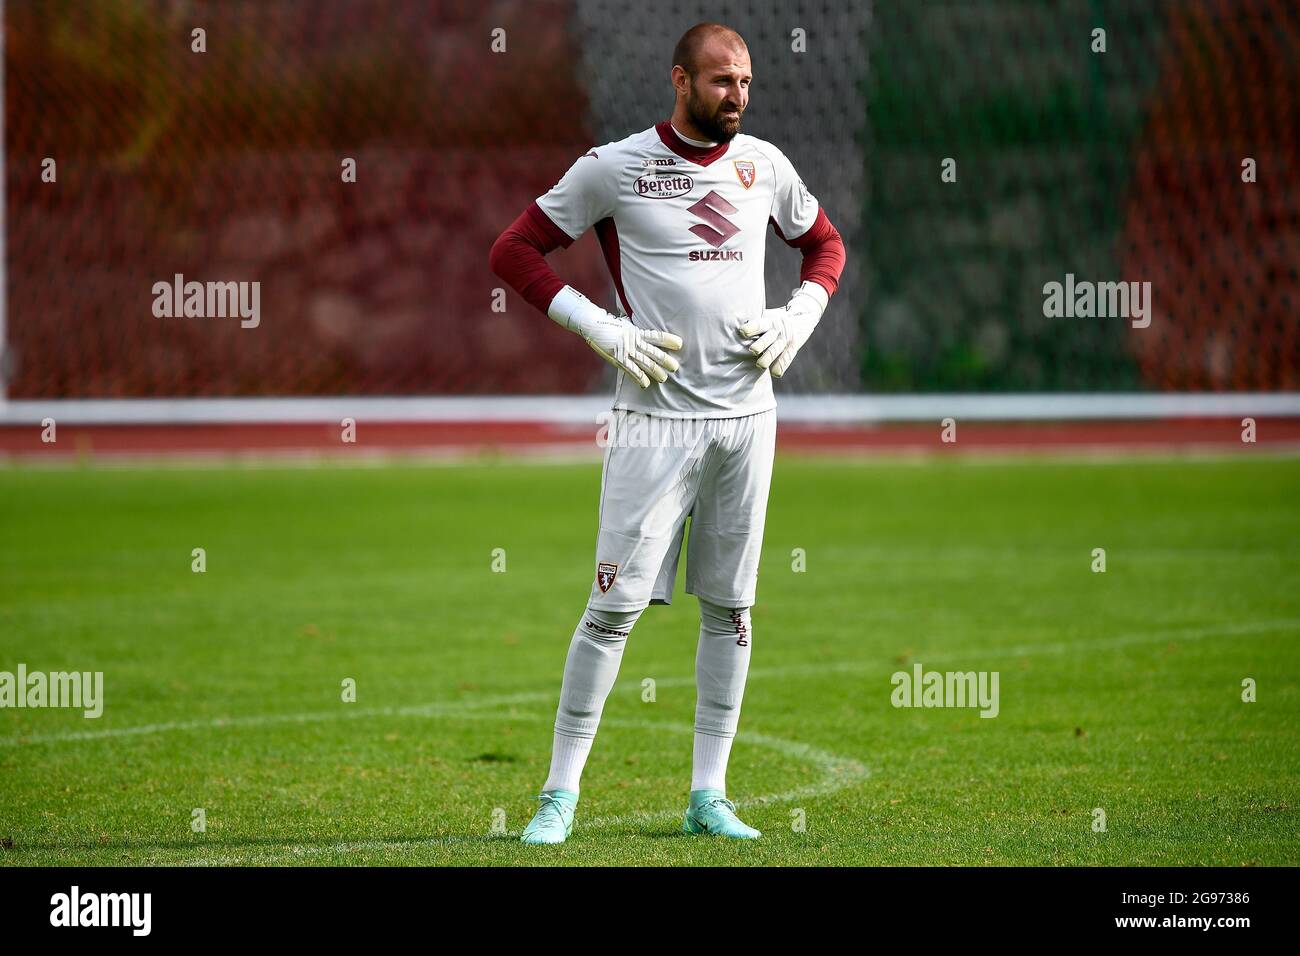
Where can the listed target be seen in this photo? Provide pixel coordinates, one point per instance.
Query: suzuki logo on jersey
(711, 209)
(605, 575)
(745, 170)
(656, 185)
(716, 255)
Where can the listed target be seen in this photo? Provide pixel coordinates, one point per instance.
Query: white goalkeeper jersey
(685, 241)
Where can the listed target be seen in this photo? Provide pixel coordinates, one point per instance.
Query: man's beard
(715, 127)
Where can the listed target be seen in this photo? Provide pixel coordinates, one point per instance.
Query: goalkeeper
(681, 210)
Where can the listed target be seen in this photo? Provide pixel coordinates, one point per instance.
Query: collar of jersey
(700, 155)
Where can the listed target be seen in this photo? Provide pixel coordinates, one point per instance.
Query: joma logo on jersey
(716, 255)
(655, 186)
(711, 209)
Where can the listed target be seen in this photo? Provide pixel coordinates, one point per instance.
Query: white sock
(589, 674)
(721, 666)
(568, 757)
(709, 766)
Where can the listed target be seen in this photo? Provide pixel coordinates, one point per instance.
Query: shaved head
(687, 52)
(711, 75)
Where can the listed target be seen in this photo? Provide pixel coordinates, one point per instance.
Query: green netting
(1095, 164)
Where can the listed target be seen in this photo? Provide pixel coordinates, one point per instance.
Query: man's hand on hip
(615, 339)
(778, 334)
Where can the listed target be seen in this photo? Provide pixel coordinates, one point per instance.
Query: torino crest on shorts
(605, 574)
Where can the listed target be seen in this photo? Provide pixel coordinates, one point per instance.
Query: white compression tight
(595, 653)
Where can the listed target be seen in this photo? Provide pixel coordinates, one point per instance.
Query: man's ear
(683, 75)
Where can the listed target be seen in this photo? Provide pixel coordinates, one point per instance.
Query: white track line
(568, 454)
(817, 408)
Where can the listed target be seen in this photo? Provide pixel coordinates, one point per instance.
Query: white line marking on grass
(434, 709)
(837, 773)
(465, 707)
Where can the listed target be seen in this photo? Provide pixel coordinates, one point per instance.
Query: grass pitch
(1119, 690)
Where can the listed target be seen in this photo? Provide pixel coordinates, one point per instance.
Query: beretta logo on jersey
(656, 185)
(605, 575)
(745, 170)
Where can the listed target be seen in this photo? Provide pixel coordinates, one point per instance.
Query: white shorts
(657, 472)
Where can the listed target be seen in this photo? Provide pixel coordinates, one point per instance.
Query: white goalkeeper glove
(778, 334)
(615, 339)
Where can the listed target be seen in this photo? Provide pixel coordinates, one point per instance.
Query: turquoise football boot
(711, 812)
(553, 821)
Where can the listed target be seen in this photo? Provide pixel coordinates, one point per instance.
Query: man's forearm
(823, 253)
(519, 257)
